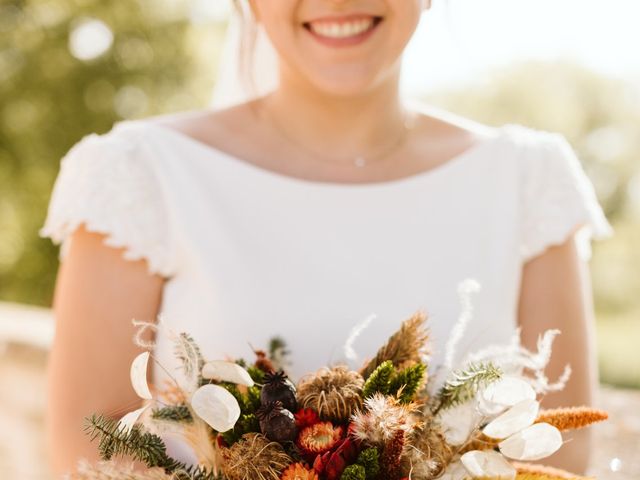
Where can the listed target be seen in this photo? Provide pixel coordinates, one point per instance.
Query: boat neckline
(234, 160)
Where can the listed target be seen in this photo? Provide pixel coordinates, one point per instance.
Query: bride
(301, 211)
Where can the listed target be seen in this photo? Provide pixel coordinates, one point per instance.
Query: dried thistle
(404, 348)
(427, 453)
(254, 457)
(335, 393)
(570, 418)
(382, 418)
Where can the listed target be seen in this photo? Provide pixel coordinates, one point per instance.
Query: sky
(459, 40)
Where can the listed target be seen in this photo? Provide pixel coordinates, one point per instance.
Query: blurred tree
(69, 68)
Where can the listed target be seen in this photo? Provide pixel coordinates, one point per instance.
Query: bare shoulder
(215, 127)
(440, 135)
(444, 125)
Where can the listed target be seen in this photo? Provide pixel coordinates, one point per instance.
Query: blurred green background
(72, 67)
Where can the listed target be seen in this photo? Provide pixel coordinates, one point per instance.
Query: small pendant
(360, 162)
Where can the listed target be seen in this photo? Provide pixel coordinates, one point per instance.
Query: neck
(348, 125)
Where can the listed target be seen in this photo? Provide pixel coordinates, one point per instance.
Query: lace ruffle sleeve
(107, 183)
(558, 197)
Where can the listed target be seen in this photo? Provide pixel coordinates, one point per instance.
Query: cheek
(279, 24)
(406, 17)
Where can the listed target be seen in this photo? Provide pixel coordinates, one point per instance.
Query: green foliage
(256, 374)
(378, 381)
(249, 402)
(369, 458)
(405, 383)
(386, 379)
(139, 445)
(172, 413)
(245, 424)
(353, 472)
(464, 384)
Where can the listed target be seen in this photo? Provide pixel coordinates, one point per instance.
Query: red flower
(331, 464)
(306, 417)
(222, 443)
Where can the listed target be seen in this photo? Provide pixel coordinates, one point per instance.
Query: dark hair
(249, 30)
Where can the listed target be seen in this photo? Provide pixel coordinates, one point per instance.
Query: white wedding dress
(249, 253)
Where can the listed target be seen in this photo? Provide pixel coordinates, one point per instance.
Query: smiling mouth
(332, 29)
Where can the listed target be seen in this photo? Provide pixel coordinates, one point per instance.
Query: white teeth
(341, 30)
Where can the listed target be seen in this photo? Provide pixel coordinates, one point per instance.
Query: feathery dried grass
(405, 347)
(382, 417)
(111, 470)
(427, 453)
(570, 418)
(527, 471)
(202, 440)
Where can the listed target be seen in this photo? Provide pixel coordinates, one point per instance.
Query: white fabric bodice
(249, 253)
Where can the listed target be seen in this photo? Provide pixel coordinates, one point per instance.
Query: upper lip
(343, 18)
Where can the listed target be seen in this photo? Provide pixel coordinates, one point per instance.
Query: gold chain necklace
(359, 160)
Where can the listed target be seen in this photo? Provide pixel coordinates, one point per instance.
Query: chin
(346, 85)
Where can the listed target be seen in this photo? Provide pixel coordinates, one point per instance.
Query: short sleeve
(558, 198)
(106, 182)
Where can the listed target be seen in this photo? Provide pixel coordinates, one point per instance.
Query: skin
(355, 90)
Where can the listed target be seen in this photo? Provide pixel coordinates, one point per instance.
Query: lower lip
(346, 41)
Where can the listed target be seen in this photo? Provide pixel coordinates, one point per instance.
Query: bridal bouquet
(385, 421)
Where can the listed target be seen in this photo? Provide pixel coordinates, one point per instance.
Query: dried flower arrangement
(383, 422)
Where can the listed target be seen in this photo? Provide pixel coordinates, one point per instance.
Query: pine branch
(465, 384)
(139, 445)
(172, 413)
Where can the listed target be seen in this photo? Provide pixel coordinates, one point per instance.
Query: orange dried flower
(297, 471)
(319, 438)
(571, 417)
